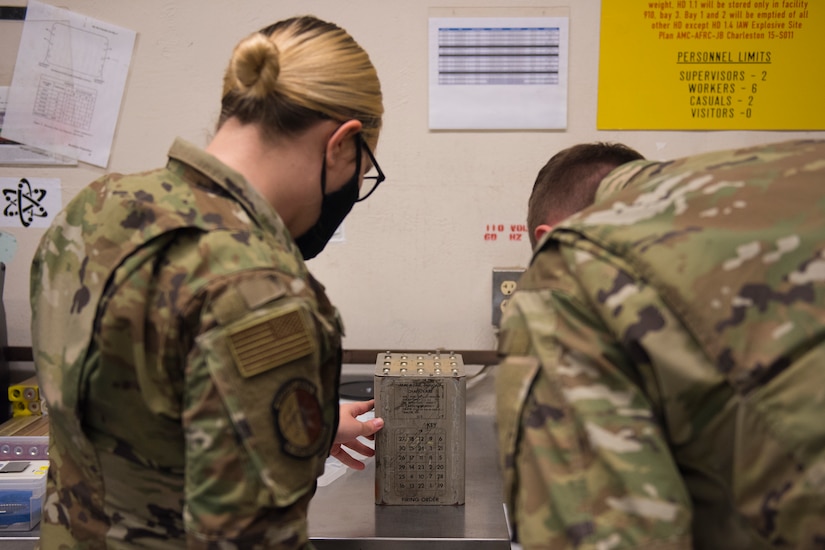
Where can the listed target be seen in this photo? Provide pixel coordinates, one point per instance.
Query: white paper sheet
(68, 83)
(498, 72)
(13, 153)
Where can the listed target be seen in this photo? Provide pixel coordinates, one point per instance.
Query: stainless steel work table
(343, 515)
(20, 541)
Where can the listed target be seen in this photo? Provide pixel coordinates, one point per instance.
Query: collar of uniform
(196, 163)
(620, 177)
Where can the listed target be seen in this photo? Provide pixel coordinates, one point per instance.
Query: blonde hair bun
(296, 72)
(254, 67)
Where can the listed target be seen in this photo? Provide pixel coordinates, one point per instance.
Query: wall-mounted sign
(711, 65)
(29, 202)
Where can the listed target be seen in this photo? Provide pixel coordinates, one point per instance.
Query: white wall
(415, 270)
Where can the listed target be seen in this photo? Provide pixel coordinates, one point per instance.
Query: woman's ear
(341, 144)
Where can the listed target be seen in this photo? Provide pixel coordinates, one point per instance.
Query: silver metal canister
(420, 452)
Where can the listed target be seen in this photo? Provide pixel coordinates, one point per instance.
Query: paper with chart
(498, 73)
(68, 83)
(13, 153)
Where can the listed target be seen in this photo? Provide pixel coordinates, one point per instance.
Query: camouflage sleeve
(256, 422)
(585, 459)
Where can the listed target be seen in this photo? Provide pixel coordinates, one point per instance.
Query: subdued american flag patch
(271, 341)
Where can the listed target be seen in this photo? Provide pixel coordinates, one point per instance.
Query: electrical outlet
(505, 280)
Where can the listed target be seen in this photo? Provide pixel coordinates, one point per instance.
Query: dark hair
(569, 180)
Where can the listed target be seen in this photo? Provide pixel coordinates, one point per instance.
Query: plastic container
(22, 489)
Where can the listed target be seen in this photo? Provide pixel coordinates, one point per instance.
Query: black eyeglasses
(367, 189)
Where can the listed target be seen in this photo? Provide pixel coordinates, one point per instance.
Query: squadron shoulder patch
(271, 341)
(299, 419)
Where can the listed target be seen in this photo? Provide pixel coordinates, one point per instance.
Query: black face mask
(334, 208)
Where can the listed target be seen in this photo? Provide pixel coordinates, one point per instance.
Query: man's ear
(341, 144)
(540, 230)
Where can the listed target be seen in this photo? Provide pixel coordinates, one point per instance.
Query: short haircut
(569, 180)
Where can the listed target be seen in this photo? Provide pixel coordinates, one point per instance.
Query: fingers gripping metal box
(420, 452)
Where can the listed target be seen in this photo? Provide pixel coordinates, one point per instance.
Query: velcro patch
(271, 341)
(299, 420)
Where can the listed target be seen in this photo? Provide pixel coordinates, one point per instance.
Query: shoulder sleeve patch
(270, 341)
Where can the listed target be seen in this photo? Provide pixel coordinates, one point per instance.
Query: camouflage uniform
(663, 373)
(190, 364)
